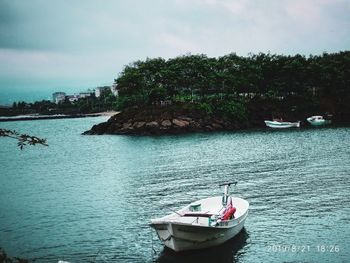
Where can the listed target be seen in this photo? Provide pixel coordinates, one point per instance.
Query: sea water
(90, 198)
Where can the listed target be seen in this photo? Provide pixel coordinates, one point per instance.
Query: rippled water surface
(90, 198)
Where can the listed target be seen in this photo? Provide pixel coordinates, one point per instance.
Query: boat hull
(282, 125)
(181, 237)
(318, 122)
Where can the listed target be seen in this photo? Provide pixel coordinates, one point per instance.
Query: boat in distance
(282, 124)
(204, 223)
(318, 120)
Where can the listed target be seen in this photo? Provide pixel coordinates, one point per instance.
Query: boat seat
(198, 214)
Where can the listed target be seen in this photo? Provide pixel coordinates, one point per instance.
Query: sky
(73, 45)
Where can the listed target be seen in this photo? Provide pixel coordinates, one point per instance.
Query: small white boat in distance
(318, 121)
(282, 124)
(205, 223)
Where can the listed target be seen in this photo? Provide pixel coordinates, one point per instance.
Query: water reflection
(227, 252)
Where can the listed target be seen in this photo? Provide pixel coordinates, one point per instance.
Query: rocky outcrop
(139, 124)
(180, 123)
(154, 120)
(189, 117)
(166, 123)
(152, 124)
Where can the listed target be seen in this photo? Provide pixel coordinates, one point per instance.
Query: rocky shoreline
(159, 121)
(187, 118)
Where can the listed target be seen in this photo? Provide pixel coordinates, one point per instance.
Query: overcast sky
(72, 45)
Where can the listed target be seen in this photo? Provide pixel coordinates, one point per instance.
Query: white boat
(318, 121)
(282, 124)
(205, 223)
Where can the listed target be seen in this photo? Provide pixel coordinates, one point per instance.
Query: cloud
(88, 42)
(71, 26)
(236, 7)
(178, 44)
(308, 13)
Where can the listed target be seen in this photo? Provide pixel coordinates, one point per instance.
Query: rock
(113, 128)
(98, 129)
(166, 123)
(216, 125)
(127, 125)
(184, 118)
(195, 124)
(180, 123)
(152, 124)
(208, 128)
(139, 124)
(218, 121)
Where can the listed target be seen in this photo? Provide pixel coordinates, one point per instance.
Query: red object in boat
(229, 213)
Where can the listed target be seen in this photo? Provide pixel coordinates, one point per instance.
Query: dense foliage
(230, 86)
(226, 83)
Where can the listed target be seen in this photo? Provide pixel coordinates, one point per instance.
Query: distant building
(114, 89)
(72, 98)
(5, 107)
(58, 97)
(100, 90)
(85, 94)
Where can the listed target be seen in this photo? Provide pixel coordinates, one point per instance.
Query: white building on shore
(100, 90)
(58, 97)
(85, 94)
(72, 98)
(114, 89)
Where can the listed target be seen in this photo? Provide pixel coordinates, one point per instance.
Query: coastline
(188, 118)
(31, 117)
(172, 119)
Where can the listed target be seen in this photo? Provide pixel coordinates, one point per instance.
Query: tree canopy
(198, 77)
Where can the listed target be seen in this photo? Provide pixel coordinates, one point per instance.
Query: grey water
(90, 198)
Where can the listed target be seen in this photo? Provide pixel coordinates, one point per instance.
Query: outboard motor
(226, 192)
